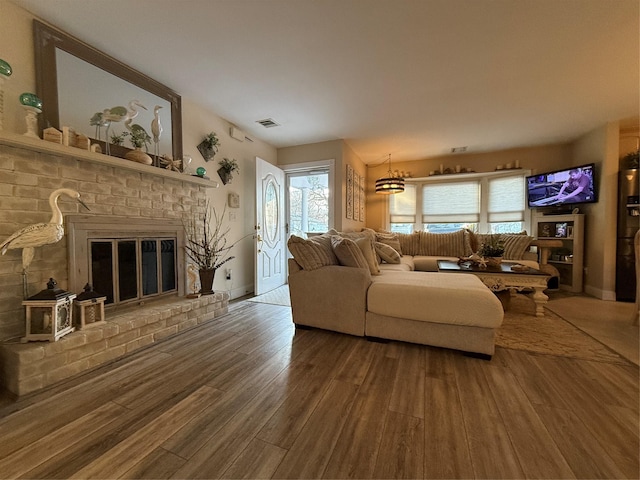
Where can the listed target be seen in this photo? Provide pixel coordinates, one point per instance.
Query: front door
(270, 235)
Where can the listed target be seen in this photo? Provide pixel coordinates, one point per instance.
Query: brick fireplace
(115, 190)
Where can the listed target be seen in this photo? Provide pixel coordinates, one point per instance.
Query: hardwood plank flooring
(248, 396)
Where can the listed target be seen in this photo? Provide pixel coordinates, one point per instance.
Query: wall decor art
(349, 192)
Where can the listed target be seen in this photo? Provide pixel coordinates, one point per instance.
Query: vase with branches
(207, 244)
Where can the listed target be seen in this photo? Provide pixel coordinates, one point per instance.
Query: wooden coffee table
(502, 278)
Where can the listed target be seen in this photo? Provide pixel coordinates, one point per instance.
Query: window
(481, 202)
(309, 202)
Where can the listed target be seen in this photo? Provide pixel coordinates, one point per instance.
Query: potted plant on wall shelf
(209, 146)
(227, 167)
(207, 245)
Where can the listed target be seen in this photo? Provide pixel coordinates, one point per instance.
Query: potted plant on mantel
(227, 167)
(207, 245)
(209, 146)
(492, 250)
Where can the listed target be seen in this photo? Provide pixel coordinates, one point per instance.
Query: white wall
(600, 146)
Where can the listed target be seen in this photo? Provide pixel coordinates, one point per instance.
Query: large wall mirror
(75, 81)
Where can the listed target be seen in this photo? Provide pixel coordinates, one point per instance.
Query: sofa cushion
(348, 253)
(387, 253)
(312, 253)
(449, 298)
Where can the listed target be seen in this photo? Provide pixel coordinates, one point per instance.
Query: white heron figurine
(156, 130)
(121, 114)
(39, 234)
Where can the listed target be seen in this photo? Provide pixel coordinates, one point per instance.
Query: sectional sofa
(385, 285)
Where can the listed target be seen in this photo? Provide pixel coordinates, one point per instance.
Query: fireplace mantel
(42, 146)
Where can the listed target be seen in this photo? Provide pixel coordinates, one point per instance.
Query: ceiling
(413, 78)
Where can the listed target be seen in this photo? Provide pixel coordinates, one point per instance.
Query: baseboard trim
(606, 295)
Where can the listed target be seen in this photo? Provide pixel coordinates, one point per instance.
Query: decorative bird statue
(98, 122)
(121, 114)
(156, 130)
(39, 234)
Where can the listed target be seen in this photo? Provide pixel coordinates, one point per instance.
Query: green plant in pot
(209, 146)
(492, 249)
(139, 137)
(227, 167)
(206, 244)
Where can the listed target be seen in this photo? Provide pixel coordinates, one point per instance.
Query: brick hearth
(30, 170)
(30, 366)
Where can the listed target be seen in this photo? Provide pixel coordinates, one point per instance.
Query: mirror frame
(47, 39)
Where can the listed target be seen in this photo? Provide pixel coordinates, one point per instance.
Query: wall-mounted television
(569, 186)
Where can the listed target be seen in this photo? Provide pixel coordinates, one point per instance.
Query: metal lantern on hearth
(49, 314)
(89, 308)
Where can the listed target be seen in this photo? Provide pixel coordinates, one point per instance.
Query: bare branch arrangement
(206, 239)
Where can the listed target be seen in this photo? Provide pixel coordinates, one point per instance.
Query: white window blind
(506, 199)
(454, 202)
(402, 206)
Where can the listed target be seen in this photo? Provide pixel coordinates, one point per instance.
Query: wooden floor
(247, 396)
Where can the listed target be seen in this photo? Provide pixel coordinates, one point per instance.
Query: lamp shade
(390, 185)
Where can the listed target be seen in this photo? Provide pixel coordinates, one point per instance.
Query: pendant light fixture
(390, 184)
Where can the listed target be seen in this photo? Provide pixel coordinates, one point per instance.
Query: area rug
(549, 335)
(279, 296)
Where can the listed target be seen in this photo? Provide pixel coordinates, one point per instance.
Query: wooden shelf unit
(569, 258)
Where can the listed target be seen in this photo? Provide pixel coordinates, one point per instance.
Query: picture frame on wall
(356, 196)
(362, 199)
(349, 192)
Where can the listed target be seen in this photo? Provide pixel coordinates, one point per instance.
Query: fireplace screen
(126, 269)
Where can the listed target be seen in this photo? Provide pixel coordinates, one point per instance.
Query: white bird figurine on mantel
(40, 234)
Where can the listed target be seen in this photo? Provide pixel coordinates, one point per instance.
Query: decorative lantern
(89, 308)
(49, 314)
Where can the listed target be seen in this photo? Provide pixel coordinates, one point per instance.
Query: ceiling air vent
(268, 123)
(458, 149)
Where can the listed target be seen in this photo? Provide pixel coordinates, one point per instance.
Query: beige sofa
(395, 300)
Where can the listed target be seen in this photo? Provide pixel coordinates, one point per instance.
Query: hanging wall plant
(227, 167)
(209, 146)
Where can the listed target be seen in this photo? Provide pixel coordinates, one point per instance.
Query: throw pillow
(312, 253)
(366, 246)
(390, 239)
(387, 253)
(348, 253)
(409, 243)
(515, 245)
(455, 244)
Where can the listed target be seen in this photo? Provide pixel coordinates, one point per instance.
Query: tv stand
(561, 239)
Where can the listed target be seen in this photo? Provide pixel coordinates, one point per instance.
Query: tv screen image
(562, 187)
